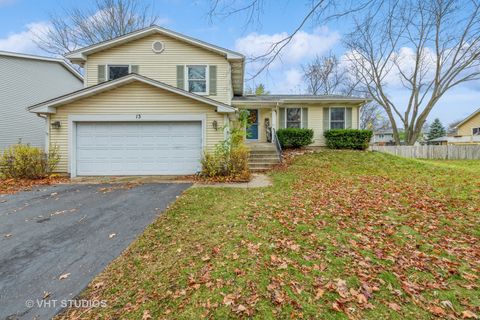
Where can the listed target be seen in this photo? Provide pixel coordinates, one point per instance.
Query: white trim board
(50, 105)
(64, 63)
(74, 119)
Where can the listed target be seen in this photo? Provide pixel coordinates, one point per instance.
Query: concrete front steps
(263, 156)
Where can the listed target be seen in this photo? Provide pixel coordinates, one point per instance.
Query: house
(155, 100)
(25, 80)
(467, 132)
(382, 137)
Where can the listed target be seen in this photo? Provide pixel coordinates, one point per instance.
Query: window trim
(207, 79)
(107, 70)
(330, 117)
(478, 132)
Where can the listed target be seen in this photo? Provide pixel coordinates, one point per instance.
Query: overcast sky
(19, 19)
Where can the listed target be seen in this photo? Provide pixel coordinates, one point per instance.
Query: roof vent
(158, 46)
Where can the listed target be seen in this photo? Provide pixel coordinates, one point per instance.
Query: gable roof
(236, 59)
(50, 105)
(64, 63)
(80, 54)
(468, 118)
(300, 98)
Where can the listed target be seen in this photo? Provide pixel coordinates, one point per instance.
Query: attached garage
(138, 148)
(133, 126)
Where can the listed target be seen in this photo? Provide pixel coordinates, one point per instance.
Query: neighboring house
(25, 80)
(382, 137)
(467, 132)
(155, 100)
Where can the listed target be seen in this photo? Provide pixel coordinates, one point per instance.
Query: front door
(252, 128)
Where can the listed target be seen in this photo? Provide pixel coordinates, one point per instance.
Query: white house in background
(382, 137)
(26, 80)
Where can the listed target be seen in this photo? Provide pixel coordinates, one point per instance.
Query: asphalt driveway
(54, 240)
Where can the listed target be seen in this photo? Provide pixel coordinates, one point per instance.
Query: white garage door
(140, 148)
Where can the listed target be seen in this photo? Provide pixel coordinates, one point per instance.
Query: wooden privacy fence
(452, 152)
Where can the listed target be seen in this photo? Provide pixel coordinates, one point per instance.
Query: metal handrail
(278, 147)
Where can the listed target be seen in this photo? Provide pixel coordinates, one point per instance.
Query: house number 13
(138, 116)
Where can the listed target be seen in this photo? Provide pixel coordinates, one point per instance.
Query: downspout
(47, 130)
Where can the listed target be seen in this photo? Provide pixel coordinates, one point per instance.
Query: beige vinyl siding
(135, 98)
(466, 128)
(162, 66)
(315, 120)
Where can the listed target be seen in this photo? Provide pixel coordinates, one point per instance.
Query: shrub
(25, 161)
(230, 158)
(348, 139)
(295, 137)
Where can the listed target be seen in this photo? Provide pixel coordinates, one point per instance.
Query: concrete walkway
(259, 180)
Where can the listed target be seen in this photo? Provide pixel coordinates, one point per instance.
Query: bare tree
(317, 11)
(106, 19)
(324, 75)
(373, 117)
(431, 46)
(428, 46)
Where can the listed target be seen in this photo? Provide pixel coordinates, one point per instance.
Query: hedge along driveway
(340, 234)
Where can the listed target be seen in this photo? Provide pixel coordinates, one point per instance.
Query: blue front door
(252, 128)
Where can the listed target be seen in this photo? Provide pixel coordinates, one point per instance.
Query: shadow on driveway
(73, 230)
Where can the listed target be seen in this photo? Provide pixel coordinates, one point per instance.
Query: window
(337, 118)
(197, 79)
(294, 118)
(476, 131)
(115, 72)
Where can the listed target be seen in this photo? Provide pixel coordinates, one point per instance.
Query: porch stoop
(263, 156)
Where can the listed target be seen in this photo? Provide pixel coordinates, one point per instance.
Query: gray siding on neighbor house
(24, 82)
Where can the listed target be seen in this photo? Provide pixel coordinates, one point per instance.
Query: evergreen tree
(260, 90)
(437, 130)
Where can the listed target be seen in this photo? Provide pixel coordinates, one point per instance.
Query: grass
(467, 165)
(340, 235)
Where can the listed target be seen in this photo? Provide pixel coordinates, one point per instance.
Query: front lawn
(340, 234)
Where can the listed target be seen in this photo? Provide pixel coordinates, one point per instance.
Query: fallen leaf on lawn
(361, 298)
(229, 299)
(394, 306)
(111, 235)
(283, 266)
(467, 314)
(319, 293)
(64, 276)
(278, 297)
(437, 311)
(342, 289)
(336, 306)
(98, 285)
(241, 308)
(205, 258)
(146, 315)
